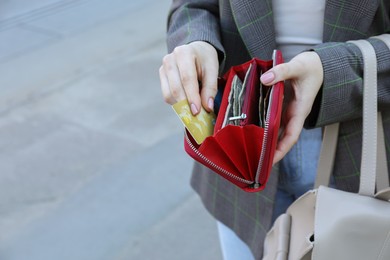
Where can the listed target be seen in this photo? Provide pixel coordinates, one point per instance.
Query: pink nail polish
(194, 109)
(211, 103)
(267, 77)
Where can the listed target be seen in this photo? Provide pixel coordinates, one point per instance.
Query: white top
(298, 25)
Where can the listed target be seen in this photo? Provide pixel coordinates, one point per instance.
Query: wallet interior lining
(237, 99)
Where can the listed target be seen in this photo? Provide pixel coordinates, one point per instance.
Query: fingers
(188, 77)
(294, 117)
(289, 138)
(305, 73)
(183, 69)
(305, 63)
(280, 72)
(178, 78)
(166, 92)
(209, 85)
(172, 74)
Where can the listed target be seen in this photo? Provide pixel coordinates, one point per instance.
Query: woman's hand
(305, 74)
(184, 68)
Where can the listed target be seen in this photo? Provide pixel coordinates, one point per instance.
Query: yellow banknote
(199, 126)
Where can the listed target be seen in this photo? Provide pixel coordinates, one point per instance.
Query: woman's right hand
(183, 70)
(306, 75)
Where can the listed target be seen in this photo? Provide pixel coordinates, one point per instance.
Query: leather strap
(369, 149)
(382, 167)
(382, 176)
(327, 155)
(370, 122)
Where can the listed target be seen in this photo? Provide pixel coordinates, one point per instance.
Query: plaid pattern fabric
(241, 29)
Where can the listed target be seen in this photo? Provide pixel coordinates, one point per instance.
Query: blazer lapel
(254, 20)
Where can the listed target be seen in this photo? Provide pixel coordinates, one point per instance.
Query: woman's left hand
(305, 73)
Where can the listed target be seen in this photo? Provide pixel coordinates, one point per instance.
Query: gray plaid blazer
(241, 29)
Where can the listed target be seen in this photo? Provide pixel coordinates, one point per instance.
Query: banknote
(200, 126)
(237, 89)
(230, 106)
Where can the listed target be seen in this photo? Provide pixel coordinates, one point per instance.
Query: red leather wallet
(246, 129)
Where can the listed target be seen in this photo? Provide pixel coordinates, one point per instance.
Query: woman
(207, 37)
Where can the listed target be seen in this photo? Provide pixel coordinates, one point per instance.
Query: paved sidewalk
(92, 160)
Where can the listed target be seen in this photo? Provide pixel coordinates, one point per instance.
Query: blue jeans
(297, 172)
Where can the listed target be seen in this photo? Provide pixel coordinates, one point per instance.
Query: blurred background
(92, 164)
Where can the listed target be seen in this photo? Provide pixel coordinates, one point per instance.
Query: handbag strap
(382, 176)
(328, 152)
(327, 155)
(369, 148)
(382, 167)
(370, 121)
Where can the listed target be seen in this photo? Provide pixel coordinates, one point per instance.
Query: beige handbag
(326, 223)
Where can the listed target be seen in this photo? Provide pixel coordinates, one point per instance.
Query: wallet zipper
(265, 138)
(213, 165)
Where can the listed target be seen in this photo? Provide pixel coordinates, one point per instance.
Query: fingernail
(194, 109)
(211, 103)
(267, 77)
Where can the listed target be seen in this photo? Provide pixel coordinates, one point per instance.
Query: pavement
(92, 164)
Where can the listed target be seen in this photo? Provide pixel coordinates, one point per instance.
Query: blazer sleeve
(340, 98)
(194, 20)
